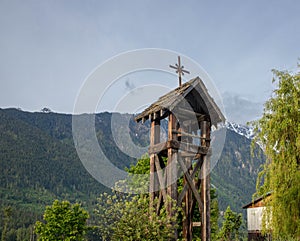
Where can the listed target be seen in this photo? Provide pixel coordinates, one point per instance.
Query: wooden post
(171, 169)
(154, 139)
(188, 222)
(205, 185)
(187, 228)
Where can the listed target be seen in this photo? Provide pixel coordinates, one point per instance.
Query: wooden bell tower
(190, 112)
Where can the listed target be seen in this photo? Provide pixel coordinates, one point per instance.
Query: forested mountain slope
(39, 163)
(234, 176)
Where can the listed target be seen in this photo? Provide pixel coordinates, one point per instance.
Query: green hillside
(234, 176)
(39, 163)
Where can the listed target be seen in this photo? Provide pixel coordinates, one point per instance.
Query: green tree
(123, 217)
(141, 182)
(128, 217)
(62, 221)
(23, 234)
(230, 227)
(6, 218)
(214, 214)
(279, 132)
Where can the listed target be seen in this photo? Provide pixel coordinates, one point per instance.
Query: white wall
(254, 218)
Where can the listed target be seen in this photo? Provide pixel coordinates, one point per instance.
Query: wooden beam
(183, 146)
(185, 187)
(187, 228)
(188, 147)
(154, 139)
(190, 181)
(161, 166)
(205, 196)
(161, 178)
(182, 133)
(153, 115)
(152, 179)
(159, 203)
(191, 155)
(190, 113)
(171, 168)
(205, 185)
(157, 148)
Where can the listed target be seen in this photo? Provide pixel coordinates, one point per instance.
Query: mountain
(242, 130)
(39, 163)
(235, 174)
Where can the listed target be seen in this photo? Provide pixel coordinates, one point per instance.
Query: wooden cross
(179, 70)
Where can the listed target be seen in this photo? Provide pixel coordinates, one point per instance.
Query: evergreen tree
(62, 221)
(6, 219)
(230, 227)
(279, 132)
(214, 214)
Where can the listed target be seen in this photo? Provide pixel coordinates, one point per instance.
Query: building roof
(253, 203)
(193, 91)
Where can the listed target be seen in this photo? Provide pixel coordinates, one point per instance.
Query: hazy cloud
(55, 45)
(129, 85)
(240, 109)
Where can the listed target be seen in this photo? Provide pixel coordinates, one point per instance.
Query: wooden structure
(254, 218)
(191, 112)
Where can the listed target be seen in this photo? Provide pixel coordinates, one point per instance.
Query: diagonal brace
(161, 178)
(197, 166)
(190, 183)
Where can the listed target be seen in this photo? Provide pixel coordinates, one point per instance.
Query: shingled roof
(195, 92)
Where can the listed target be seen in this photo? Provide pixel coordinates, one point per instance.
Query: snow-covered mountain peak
(243, 130)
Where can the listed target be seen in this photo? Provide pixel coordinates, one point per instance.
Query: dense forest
(39, 164)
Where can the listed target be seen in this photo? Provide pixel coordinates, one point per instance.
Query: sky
(49, 48)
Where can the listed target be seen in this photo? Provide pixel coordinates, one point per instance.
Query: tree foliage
(113, 211)
(62, 221)
(124, 217)
(128, 217)
(279, 132)
(214, 214)
(39, 164)
(6, 218)
(230, 227)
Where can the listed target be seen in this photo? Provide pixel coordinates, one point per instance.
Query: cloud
(240, 109)
(54, 45)
(129, 85)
